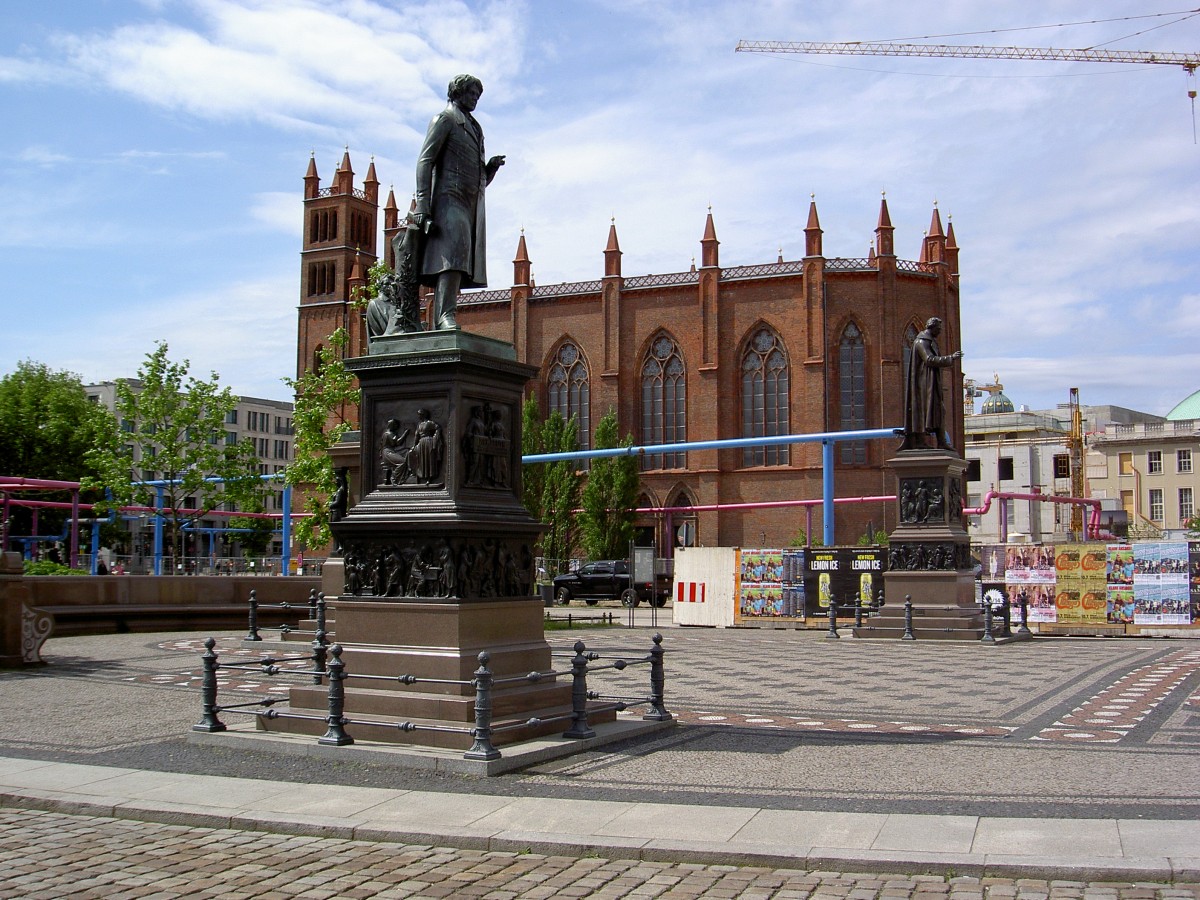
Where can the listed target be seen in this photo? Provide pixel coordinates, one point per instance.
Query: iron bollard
(833, 611)
(312, 603)
(858, 611)
(321, 612)
(482, 733)
(987, 623)
(336, 735)
(579, 721)
(1005, 618)
(1024, 629)
(908, 632)
(252, 634)
(208, 691)
(318, 655)
(658, 683)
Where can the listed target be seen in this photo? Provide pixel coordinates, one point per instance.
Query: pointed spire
(951, 246)
(780, 259)
(312, 182)
(522, 269)
(871, 254)
(812, 231)
(934, 249)
(358, 277)
(709, 244)
(693, 268)
(343, 178)
(371, 183)
(612, 252)
(885, 234)
(391, 212)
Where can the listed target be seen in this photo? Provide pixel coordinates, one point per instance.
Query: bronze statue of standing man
(924, 408)
(452, 173)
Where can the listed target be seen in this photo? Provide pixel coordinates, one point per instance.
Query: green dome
(1186, 409)
(997, 403)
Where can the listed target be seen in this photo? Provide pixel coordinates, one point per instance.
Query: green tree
(609, 496)
(551, 490)
(1193, 527)
(325, 397)
(47, 427)
(178, 443)
(257, 537)
(49, 424)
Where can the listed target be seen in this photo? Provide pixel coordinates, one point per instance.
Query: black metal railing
(325, 664)
(315, 610)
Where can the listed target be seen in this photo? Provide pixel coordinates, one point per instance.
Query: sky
(152, 156)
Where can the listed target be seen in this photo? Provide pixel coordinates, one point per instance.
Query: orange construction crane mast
(1188, 61)
(1075, 455)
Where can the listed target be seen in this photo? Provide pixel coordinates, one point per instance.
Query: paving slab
(1150, 838)
(687, 823)
(1049, 837)
(936, 834)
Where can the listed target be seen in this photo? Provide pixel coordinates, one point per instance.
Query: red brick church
(811, 345)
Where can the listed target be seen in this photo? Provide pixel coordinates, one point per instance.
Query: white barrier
(705, 586)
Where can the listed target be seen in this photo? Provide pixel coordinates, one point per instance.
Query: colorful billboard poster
(1194, 577)
(1039, 597)
(1176, 605)
(1120, 564)
(1120, 604)
(1081, 595)
(851, 574)
(1147, 602)
(771, 585)
(1029, 564)
(992, 562)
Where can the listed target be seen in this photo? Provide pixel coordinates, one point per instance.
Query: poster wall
(847, 573)
(771, 585)
(1029, 577)
(1081, 595)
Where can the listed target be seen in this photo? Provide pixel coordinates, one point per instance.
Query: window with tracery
(664, 403)
(852, 392)
(910, 338)
(765, 398)
(568, 389)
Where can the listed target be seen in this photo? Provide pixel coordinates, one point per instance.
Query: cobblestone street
(47, 855)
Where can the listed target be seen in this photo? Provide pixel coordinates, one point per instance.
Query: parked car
(606, 579)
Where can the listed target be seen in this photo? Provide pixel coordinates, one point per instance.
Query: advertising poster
(1081, 595)
(1176, 605)
(1029, 564)
(1173, 583)
(845, 572)
(1147, 583)
(1194, 577)
(771, 585)
(1040, 598)
(1119, 577)
(992, 562)
(1120, 604)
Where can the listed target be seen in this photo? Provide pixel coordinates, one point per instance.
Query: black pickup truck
(606, 579)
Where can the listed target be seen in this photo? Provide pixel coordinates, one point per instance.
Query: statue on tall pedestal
(924, 408)
(452, 173)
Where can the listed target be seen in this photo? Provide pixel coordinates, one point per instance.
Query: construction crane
(1075, 455)
(1188, 61)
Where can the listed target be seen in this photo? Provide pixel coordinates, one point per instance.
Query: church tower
(340, 225)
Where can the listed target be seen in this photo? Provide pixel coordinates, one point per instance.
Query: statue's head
(459, 85)
(393, 424)
(934, 325)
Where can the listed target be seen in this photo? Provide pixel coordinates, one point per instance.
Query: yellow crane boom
(1188, 61)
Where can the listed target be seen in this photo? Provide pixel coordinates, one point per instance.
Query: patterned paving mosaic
(850, 689)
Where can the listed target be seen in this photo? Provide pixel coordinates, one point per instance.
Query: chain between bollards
(658, 684)
(252, 634)
(908, 608)
(482, 747)
(336, 735)
(579, 719)
(832, 634)
(208, 691)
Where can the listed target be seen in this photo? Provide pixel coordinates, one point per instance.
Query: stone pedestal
(929, 555)
(437, 555)
(23, 629)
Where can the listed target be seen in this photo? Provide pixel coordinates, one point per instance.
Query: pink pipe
(52, 504)
(12, 483)
(1093, 528)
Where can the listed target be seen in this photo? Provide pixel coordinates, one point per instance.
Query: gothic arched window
(852, 392)
(765, 397)
(664, 403)
(568, 389)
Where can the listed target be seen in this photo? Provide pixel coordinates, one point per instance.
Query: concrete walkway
(1082, 850)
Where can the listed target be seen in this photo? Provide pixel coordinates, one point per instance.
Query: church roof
(997, 403)
(1188, 408)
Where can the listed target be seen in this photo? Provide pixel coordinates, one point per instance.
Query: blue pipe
(827, 440)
